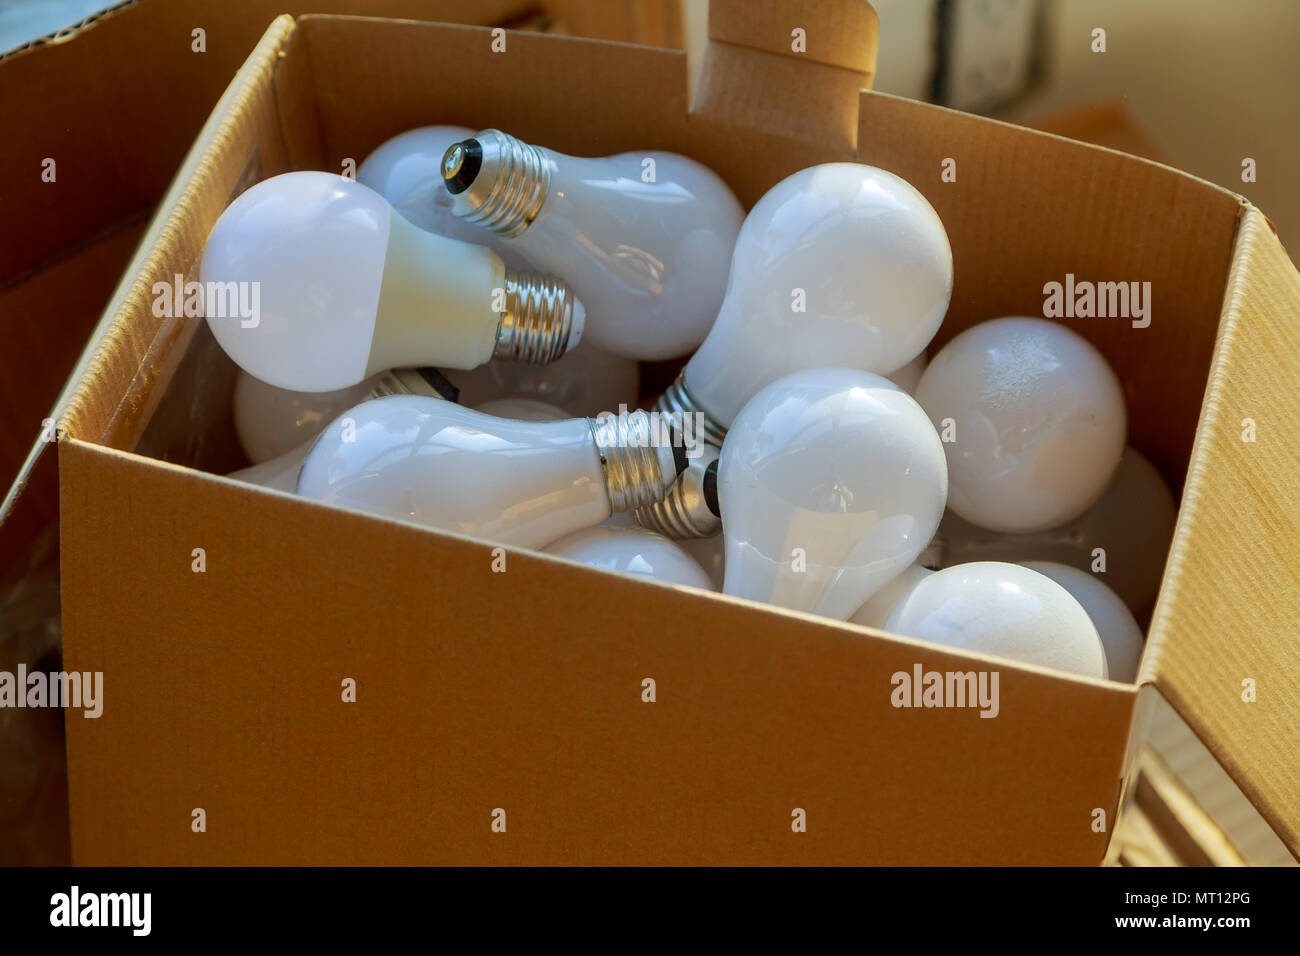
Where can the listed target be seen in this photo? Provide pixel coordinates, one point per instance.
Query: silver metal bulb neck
(496, 181)
(635, 475)
(677, 400)
(684, 512)
(413, 381)
(538, 319)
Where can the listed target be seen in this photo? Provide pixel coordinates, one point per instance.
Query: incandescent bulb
(1124, 536)
(438, 464)
(1121, 638)
(1038, 423)
(830, 482)
(407, 171)
(523, 409)
(643, 238)
(840, 264)
(344, 289)
(632, 551)
(585, 381)
(1005, 610)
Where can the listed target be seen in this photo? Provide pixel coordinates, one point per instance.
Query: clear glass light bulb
(830, 482)
(877, 609)
(344, 289)
(643, 238)
(585, 381)
(632, 551)
(1038, 423)
(1125, 536)
(438, 464)
(407, 171)
(1121, 638)
(1004, 610)
(840, 264)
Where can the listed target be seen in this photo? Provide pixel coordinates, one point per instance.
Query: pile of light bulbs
(810, 451)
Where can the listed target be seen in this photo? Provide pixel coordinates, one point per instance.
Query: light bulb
(438, 464)
(1037, 420)
(840, 264)
(1005, 610)
(271, 421)
(632, 551)
(407, 171)
(1121, 638)
(523, 409)
(585, 381)
(344, 289)
(830, 482)
(1125, 536)
(643, 238)
(876, 611)
(909, 376)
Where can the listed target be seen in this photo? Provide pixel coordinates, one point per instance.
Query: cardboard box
(116, 102)
(522, 692)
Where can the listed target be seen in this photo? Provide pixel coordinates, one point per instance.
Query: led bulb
(1121, 638)
(840, 264)
(585, 381)
(438, 464)
(879, 606)
(643, 238)
(632, 551)
(344, 289)
(1004, 610)
(830, 482)
(1037, 421)
(1124, 536)
(407, 171)
(523, 409)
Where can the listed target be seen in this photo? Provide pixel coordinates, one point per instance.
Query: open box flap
(1224, 644)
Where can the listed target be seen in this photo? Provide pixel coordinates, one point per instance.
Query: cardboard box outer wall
(522, 691)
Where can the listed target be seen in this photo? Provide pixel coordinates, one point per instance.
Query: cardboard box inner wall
(522, 691)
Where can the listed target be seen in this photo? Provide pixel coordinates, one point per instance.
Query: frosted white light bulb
(643, 238)
(271, 420)
(280, 472)
(840, 264)
(830, 482)
(909, 376)
(1121, 638)
(524, 410)
(341, 289)
(878, 607)
(1038, 423)
(1004, 610)
(1124, 537)
(407, 171)
(585, 381)
(710, 553)
(435, 463)
(632, 551)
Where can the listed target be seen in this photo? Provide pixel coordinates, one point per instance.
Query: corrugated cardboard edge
(1224, 626)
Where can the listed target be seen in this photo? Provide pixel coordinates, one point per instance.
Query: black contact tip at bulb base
(461, 164)
(710, 486)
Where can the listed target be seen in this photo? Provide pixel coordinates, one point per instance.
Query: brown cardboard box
(521, 692)
(116, 102)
